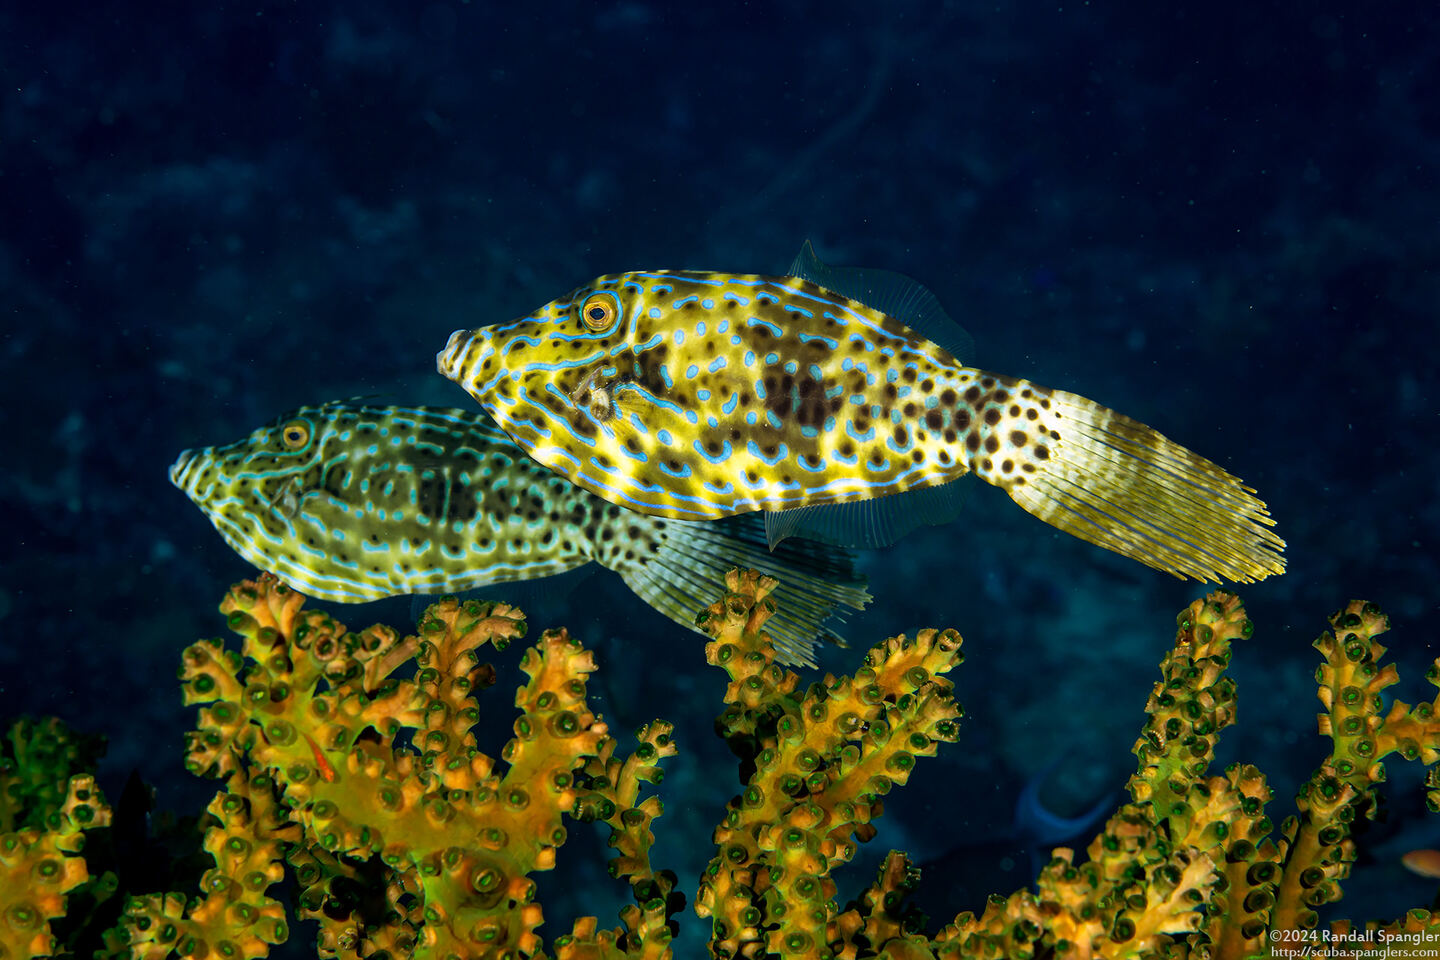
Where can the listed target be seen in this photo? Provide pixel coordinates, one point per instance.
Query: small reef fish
(350, 502)
(699, 395)
(1424, 863)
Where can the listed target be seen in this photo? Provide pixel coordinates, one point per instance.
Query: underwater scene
(939, 479)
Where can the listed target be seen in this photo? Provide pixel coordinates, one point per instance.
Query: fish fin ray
(894, 294)
(818, 582)
(877, 522)
(1123, 486)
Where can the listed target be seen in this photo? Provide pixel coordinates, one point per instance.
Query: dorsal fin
(894, 294)
(878, 522)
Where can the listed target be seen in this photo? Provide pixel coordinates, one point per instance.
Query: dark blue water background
(1221, 219)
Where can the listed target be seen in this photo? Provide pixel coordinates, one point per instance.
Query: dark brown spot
(991, 444)
(992, 416)
(1018, 437)
(972, 441)
(1042, 452)
(934, 420)
(1032, 414)
(900, 435)
(972, 394)
(1007, 466)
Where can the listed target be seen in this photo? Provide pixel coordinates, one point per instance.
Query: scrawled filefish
(698, 395)
(351, 502)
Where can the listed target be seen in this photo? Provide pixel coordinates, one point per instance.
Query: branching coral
(45, 809)
(367, 765)
(366, 785)
(822, 760)
(1188, 867)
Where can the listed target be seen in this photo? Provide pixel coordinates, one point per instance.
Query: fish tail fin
(1111, 480)
(686, 573)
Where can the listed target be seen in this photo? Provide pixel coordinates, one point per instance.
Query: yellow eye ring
(599, 310)
(295, 434)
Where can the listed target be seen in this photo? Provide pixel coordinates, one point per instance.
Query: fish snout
(184, 470)
(464, 352)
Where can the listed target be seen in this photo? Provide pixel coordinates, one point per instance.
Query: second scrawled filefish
(699, 395)
(351, 502)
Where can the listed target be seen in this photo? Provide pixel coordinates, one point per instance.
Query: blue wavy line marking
(645, 394)
(854, 434)
(829, 342)
(752, 448)
(718, 458)
(757, 322)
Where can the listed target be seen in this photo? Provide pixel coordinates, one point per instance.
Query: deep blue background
(1221, 219)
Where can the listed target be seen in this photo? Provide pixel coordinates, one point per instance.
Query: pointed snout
(183, 471)
(464, 350)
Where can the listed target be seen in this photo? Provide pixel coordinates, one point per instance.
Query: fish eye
(598, 311)
(295, 434)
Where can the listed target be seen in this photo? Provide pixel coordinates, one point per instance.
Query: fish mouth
(183, 472)
(463, 352)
